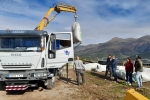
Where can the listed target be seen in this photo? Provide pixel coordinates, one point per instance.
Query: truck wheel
(2, 85)
(60, 73)
(50, 83)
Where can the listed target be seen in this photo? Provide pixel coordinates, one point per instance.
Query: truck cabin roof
(22, 33)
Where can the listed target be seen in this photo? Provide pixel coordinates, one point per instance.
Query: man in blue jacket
(114, 67)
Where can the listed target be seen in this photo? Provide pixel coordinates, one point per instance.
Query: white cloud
(99, 19)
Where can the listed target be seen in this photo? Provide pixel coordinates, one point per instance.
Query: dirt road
(61, 91)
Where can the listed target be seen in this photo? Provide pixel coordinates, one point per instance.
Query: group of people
(111, 67)
(130, 67)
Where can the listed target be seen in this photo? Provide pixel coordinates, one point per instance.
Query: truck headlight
(44, 74)
(40, 48)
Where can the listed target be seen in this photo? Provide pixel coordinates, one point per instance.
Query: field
(96, 88)
(99, 89)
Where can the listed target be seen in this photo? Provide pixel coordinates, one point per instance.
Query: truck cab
(31, 56)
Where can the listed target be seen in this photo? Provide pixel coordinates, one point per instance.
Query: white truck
(28, 57)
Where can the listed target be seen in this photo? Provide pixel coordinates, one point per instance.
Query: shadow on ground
(69, 80)
(100, 75)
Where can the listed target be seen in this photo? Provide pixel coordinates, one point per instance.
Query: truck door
(60, 49)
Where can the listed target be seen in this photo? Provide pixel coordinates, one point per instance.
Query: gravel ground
(96, 88)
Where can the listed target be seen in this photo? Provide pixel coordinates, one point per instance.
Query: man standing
(78, 67)
(138, 69)
(114, 67)
(108, 66)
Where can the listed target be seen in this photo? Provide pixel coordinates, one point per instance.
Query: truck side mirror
(52, 38)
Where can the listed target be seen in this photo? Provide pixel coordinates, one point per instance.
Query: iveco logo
(16, 54)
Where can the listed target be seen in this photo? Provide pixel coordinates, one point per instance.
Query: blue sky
(100, 20)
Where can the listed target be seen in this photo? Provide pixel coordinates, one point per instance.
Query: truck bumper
(29, 75)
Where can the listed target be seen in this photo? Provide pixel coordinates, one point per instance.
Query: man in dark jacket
(138, 69)
(114, 67)
(108, 66)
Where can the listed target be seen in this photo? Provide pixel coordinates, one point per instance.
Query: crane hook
(75, 16)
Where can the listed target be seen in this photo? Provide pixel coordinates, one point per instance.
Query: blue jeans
(129, 76)
(114, 74)
(139, 79)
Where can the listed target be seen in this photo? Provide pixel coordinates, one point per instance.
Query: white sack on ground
(120, 67)
(146, 74)
(122, 74)
(96, 66)
(101, 68)
(120, 71)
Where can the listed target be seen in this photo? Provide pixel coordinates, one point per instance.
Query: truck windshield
(19, 43)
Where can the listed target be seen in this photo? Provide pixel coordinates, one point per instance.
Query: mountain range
(121, 48)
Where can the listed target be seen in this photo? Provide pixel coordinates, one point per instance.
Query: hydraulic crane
(58, 8)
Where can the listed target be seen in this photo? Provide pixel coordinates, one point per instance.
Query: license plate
(15, 75)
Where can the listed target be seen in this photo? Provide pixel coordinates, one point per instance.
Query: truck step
(16, 87)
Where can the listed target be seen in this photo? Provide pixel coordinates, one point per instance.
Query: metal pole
(67, 71)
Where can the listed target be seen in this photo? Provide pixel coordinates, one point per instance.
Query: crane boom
(58, 8)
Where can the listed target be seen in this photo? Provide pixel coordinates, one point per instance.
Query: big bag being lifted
(76, 30)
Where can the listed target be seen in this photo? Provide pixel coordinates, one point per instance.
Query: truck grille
(16, 66)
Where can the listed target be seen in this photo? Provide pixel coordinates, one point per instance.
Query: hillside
(122, 48)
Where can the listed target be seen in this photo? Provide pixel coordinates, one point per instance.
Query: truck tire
(2, 85)
(60, 73)
(50, 83)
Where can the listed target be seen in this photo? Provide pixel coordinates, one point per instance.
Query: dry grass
(97, 88)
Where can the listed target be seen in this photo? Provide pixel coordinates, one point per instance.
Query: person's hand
(84, 69)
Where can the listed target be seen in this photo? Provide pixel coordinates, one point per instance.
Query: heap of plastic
(120, 71)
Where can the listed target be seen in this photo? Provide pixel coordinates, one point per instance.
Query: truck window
(58, 42)
(51, 47)
(62, 41)
(13, 43)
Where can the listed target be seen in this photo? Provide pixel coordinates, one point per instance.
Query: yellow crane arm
(58, 8)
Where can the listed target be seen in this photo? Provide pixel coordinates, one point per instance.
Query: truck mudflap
(16, 87)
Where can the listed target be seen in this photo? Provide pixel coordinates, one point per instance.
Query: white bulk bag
(90, 66)
(101, 68)
(77, 36)
(95, 66)
(121, 73)
(146, 74)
